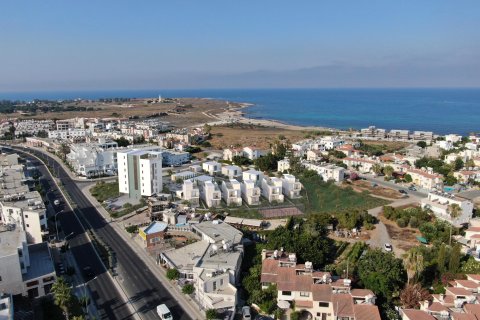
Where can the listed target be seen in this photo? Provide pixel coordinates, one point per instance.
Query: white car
(56, 202)
(388, 247)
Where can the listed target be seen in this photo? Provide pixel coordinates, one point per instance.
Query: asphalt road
(380, 181)
(143, 288)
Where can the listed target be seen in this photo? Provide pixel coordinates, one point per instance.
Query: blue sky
(65, 45)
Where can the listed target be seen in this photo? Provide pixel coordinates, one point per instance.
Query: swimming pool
(448, 189)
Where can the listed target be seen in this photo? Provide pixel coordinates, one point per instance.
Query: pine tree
(441, 259)
(454, 262)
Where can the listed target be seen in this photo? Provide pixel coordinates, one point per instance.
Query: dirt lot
(249, 135)
(179, 112)
(362, 185)
(403, 238)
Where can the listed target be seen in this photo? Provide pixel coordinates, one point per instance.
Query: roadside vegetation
(105, 190)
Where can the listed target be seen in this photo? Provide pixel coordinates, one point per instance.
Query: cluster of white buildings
(234, 186)
(250, 153)
(26, 265)
(395, 134)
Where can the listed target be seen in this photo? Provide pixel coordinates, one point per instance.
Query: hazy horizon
(55, 45)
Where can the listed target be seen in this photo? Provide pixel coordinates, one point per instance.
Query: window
(41, 217)
(323, 304)
(214, 285)
(221, 282)
(0, 278)
(32, 283)
(28, 226)
(26, 216)
(287, 293)
(304, 294)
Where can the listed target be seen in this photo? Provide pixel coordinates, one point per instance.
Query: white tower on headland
(159, 98)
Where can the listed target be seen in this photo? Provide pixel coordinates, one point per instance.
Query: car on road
(388, 247)
(56, 202)
(88, 273)
(412, 188)
(246, 314)
(164, 313)
(403, 191)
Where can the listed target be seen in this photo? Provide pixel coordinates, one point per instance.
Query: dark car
(402, 191)
(88, 273)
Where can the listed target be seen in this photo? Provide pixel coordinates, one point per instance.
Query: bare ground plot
(403, 238)
(250, 135)
(280, 212)
(362, 185)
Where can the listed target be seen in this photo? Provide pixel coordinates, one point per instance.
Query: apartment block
(291, 187)
(232, 192)
(139, 172)
(444, 205)
(232, 171)
(272, 189)
(250, 192)
(211, 167)
(210, 193)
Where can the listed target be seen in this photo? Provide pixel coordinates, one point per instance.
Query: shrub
(188, 289)
(401, 223)
(414, 222)
(131, 229)
(173, 274)
(211, 314)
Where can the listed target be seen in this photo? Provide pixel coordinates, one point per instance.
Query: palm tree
(454, 210)
(377, 168)
(414, 263)
(63, 295)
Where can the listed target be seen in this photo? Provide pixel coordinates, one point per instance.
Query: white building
(453, 138)
(360, 164)
(190, 192)
(232, 192)
(210, 193)
(174, 158)
(326, 171)
(21, 207)
(423, 135)
(24, 269)
(250, 192)
(228, 154)
(67, 134)
(426, 178)
(93, 159)
(283, 165)
(212, 167)
(291, 187)
(6, 307)
(139, 172)
(253, 153)
(445, 145)
(443, 206)
(232, 171)
(272, 189)
(328, 143)
(253, 175)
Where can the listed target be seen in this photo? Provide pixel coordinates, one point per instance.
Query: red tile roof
(366, 312)
(343, 305)
(417, 315)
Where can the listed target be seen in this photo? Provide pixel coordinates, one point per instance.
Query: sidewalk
(190, 306)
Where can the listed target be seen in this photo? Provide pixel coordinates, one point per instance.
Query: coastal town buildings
(210, 192)
(326, 171)
(94, 159)
(211, 167)
(449, 207)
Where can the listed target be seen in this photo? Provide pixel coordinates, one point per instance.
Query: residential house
(253, 175)
(153, 234)
(284, 165)
(426, 178)
(272, 189)
(250, 192)
(232, 171)
(443, 206)
(232, 192)
(228, 154)
(253, 153)
(326, 171)
(291, 187)
(210, 193)
(190, 192)
(212, 167)
(363, 165)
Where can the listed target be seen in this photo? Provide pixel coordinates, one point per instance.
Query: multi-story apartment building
(174, 158)
(21, 207)
(399, 134)
(318, 293)
(373, 132)
(326, 171)
(139, 172)
(210, 193)
(212, 167)
(291, 187)
(423, 135)
(232, 192)
(446, 206)
(190, 192)
(93, 159)
(250, 192)
(24, 269)
(272, 189)
(426, 178)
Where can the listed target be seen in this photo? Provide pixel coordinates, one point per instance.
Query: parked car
(412, 188)
(56, 202)
(403, 191)
(388, 247)
(246, 314)
(164, 313)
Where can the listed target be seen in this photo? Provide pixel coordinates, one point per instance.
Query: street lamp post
(56, 227)
(85, 295)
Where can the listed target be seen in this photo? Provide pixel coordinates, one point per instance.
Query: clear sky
(64, 45)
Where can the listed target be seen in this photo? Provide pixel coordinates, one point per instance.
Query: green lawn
(320, 196)
(103, 190)
(242, 212)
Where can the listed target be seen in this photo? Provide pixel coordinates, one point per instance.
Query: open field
(363, 185)
(402, 238)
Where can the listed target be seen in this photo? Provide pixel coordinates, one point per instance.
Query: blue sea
(439, 110)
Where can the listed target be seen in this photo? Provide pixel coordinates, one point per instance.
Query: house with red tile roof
(318, 293)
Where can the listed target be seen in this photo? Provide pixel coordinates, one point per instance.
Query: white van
(164, 312)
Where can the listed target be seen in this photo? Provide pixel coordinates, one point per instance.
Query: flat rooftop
(41, 263)
(155, 227)
(219, 259)
(186, 258)
(10, 241)
(218, 231)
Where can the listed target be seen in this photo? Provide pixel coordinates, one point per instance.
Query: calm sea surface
(439, 110)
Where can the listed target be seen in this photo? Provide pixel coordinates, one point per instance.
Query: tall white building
(272, 189)
(139, 172)
(250, 192)
(232, 192)
(291, 186)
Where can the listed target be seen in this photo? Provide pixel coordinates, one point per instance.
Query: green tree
(122, 142)
(211, 314)
(455, 256)
(382, 273)
(408, 178)
(207, 128)
(388, 170)
(414, 263)
(377, 168)
(458, 164)
(62, 295)
(454, 210)
(267, 162)
(441, 258)
(422, 144)
(241, 161)
(64, 150)
(173, 274)
(188, 289)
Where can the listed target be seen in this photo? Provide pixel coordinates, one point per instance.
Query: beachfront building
(211, 264)
(210, 193)
(396, 134)
(232, 192)
(232, 172)
(326, 171)
(272, 189)
(250, 192)
(24, 269)
(373, 132)
(228, 154)
(139, 172)
(316, 293)
(453, 138)
(423, 135)
(283, 165)
(212, 167)
(291, 187)
(21, 207)
(426, 178)
(446, 206)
